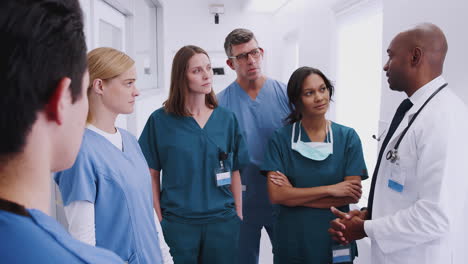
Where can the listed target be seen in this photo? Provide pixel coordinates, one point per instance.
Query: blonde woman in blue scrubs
(312, 164)
(107, 193)
(199, 149)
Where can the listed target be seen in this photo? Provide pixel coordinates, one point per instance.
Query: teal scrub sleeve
(354, 157)
(241, 154)
(274, 156)
(149, 145)
(79, 182)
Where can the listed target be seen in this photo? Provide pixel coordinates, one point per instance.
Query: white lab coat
(426, 222)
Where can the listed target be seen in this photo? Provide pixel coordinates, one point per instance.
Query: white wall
(193, 24)
(314, 23)
(358, 82)
(451, 17)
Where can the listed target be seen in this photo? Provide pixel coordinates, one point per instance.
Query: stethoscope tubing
(392, 154)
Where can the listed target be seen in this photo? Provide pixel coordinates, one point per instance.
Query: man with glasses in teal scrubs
(260, 105)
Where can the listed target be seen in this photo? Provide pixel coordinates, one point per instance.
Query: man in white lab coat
(418, 201)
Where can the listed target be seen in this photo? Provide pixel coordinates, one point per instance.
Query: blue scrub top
(305, 227)
(188, 155)
(38, 238)
(258, 119)
(118, 183)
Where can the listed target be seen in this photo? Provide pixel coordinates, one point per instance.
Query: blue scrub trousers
(258, 213)
(249, 241)
(212, 243)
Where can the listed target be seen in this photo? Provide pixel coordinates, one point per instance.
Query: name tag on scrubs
(223, 175)
(223, 178)
(341, 254)
(223, 172)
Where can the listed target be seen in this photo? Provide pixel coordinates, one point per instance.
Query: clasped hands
(348, 226)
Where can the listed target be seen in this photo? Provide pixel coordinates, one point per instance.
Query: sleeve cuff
(369, 228)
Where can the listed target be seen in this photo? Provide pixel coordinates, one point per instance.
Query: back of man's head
(42, 41)
(431, 39)
(236, 37)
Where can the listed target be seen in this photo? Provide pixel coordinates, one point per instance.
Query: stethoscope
(392, 155)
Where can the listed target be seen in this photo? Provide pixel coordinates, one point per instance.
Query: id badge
(396, 181)
(223, 176)
(341, 253)
(396, 186)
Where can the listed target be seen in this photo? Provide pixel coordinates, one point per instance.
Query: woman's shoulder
(160, 112)
(224, 111)
(93, 148)
(340, 127)
(225, 114)
(90, 139)
(128, 135)
(283, 133)
(160, 116)
(286, 129)
(344, 131)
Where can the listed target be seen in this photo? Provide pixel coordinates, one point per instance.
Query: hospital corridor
(234, 131)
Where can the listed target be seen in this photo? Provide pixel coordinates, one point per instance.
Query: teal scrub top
(188, 156)
(302, 231)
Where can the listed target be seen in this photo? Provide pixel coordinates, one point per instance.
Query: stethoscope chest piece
(392, 155)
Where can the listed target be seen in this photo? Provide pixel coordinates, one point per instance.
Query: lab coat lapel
(404, 123)
(426, 91)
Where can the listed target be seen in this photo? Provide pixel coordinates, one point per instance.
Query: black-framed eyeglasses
(243, 57)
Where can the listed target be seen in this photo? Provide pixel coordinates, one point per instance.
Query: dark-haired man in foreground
(43, 108)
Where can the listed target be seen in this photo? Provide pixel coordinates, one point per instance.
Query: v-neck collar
(124, 143)
(306, 137)
(207, 121)
(259, 96)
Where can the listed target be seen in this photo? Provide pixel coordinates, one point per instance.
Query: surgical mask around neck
(313, 150)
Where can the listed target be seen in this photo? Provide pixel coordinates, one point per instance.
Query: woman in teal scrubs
(199, 149)
(311, 164)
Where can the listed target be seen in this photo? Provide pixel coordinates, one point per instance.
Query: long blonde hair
(105, 64)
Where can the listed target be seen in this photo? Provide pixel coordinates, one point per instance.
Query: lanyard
(392, 155)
